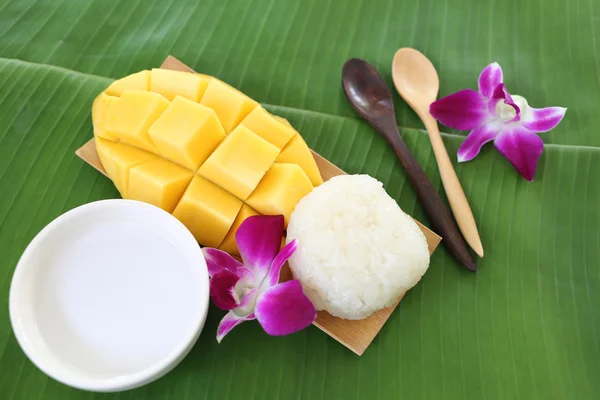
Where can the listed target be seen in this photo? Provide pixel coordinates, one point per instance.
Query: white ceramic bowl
(109, 296)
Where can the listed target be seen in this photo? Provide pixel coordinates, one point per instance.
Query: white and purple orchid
(493, 114)
(251, 290)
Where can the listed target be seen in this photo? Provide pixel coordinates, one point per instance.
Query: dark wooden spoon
(371, 98)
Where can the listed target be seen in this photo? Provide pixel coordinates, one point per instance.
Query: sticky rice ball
(358, 252)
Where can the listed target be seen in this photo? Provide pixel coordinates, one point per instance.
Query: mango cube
(187, 133)
(174, 83)
(280, 190)
(100, 109)
(297, 152)
(131, 116)
(138, 81)
(266, 126)
(229, 244)
(282, 120)
(158, 182)
(230, 105)
(204, 76)
(207, 211)
(240, 162)
(118, 159)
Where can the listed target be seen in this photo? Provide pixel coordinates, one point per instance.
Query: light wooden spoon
(417, 82)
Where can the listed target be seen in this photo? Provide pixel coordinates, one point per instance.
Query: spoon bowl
(415, 77)
(370, 95)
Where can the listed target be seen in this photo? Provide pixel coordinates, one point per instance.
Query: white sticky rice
(358, 252)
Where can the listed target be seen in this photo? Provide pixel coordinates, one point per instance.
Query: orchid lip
(505, 111)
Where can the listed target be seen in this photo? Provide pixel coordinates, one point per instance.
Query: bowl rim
(128, 381)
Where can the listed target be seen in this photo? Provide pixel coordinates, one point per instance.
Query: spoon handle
(454, 191)
(435, 209)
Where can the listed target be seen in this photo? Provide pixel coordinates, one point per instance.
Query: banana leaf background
(525, 326)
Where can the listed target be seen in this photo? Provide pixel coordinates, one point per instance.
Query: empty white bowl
(109, 296)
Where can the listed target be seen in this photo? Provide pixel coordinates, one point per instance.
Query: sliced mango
(174, 83)
(230, 105)
(187, 133)
(297, 152)
(207, 77)
(201, 150)
(118, 159)
(207, 211)
(158, 182)
(282, 120)
(240, 162)
(229, 244)
(138, 81)
(261, 122)
(131, 116)
(280, 190)
(100, 110)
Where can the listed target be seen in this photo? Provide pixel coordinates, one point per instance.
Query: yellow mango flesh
(230, 105)
(118, 159)
(240, 162)
(207, 211)
(207, 77)
(282, 120)
(187, 133)
(297, 152)
(138, 81)
(100, 110)
(209, 161)
(280, 190)
(174, 83)
(229, 244)
(130, 117)
(158, 182)
(264, 125)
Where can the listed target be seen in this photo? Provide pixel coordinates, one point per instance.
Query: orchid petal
(464, 110)
(258, 239)
(501, 94)
(282, 257)
(470, 148)
(245, 312)
(489, 79)
(230, 321)
(218, 260)
(222, 290)
(522, 147)
(284, 309)
(541, 119)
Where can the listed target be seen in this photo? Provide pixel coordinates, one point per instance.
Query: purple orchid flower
(493, 114)
(251, 290)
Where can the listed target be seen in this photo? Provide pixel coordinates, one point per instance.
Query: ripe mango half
(200, 150)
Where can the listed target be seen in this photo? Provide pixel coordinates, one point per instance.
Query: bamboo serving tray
(355, 335)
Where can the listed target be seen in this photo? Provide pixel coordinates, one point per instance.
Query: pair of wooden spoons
(417, 82)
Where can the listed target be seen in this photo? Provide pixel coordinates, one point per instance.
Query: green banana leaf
(525, 326)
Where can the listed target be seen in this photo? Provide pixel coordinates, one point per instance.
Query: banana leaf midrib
(269, 106)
